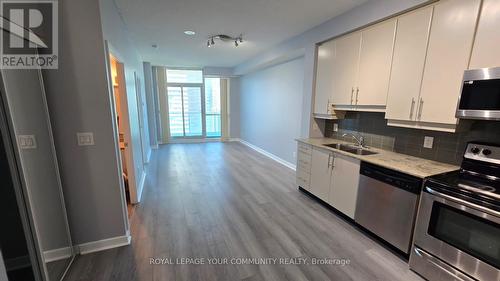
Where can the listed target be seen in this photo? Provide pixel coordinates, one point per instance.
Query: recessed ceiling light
(189, 32)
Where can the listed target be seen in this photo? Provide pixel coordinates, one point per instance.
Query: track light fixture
(225, 38)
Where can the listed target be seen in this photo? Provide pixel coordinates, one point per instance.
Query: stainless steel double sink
(351, 149)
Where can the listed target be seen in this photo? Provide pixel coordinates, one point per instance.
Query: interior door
(140, 113)
(324, 77)
(321, 173)
(408, 64)
(450, 44)
(345, 69)
(375, 63)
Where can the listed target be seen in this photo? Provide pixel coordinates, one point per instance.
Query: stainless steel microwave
(480, 97)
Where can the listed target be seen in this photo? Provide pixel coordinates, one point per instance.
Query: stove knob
(475, 150)
(486, 152)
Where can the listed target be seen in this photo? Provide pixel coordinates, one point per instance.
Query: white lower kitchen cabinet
(303, 174)
(333, 178)
(344, 184)
(321, 173)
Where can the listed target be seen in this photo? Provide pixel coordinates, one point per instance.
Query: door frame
(109, 50)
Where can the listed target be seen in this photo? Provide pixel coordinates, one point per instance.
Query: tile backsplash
(447, 147)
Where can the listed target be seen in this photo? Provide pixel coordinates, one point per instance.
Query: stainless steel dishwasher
(387, 204)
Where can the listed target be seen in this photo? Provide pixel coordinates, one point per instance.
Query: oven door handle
(457, 275)
(463, 202)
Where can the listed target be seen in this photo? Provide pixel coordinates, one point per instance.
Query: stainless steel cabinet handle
(352, 95)
(412, 107)
(357, 95)
(329, 157)
(421, 105)
(333, 161)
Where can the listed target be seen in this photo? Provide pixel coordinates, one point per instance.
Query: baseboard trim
(57, 254)
(194, 140)
(268, 154)
(105, 244)
(141, 186)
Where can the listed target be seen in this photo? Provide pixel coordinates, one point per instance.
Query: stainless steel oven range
(457, 234)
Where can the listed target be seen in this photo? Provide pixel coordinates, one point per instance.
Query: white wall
(79, 101)
(304, 43)
(271, 108)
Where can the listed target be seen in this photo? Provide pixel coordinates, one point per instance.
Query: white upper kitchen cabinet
(345, 69)
(375, 60)
(408, 64)
(321, 173)
(487, 43)
(324, 78)
(448, 54)
(344, 184)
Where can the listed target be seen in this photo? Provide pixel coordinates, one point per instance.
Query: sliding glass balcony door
(185, 111)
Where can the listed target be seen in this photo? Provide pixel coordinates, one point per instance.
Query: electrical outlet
(27, 141)
(428, 142)
(335, 127)
(85, 139)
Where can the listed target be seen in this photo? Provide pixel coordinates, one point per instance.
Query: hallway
(226, 200)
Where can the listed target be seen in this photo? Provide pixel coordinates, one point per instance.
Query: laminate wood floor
(225, 200)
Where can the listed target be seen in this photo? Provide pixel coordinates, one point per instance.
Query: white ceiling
(263, 23)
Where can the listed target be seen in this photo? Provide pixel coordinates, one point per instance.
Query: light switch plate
(335, 127)
(27, 141)
(428, 142)
(85, 138)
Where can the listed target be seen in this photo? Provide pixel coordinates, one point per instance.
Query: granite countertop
(410, 165)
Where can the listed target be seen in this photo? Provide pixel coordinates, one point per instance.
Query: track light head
(236, 43)
(212, 42)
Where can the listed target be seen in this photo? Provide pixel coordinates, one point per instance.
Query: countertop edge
(369, 158)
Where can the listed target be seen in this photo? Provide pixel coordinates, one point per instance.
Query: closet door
(375, 60)
(35, 152)
(324, 77)
(448, 54)
(408, 64)
(345, 69)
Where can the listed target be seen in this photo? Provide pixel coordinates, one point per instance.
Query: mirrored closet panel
(34, 152)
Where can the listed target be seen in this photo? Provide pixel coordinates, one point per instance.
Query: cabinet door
(345, 68)
(408, 64)
(375, 60)
(344, 184)
(486, 45)
(324, 77)
(448, 54)
(320, 173)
